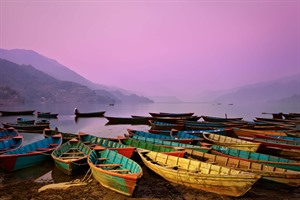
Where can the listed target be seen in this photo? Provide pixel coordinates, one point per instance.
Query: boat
(93, 141)
(65, 136)
(26, 127)
(10, 139)
(157, 125)
(231, 142)
(273, 142)
(150, 146)
(274, 174)
(46, 115)
(21, 120)
(88, 114)
(200, 175)
(172, 144)
(253, 133)
(6, 133)
(114, 171)
(126, 120)
(181, 137)
(221, 119)
(21, 112)
(30, 154)
(71, 157)
(165, 114)
(256, 157)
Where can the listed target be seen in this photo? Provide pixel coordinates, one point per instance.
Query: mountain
(285, 89)
(61, 72)
(24, 83)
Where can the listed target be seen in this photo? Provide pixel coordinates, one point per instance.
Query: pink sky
(176, 48)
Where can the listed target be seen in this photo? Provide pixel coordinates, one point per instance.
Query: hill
(286, 89)
(61, 72)
(24, 83)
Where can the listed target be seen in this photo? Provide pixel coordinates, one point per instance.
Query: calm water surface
(96, 126)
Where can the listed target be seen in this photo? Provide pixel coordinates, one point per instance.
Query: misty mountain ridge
(285, 89)
(61, 72)
(26, 84)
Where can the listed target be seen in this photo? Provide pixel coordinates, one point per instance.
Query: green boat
(114, 171)
(176, 145)
(92, 141)
(71, 157)
(256, 157)
(150, 146)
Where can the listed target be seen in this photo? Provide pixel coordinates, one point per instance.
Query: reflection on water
(97, 125)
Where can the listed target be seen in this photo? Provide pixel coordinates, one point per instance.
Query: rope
(83, 180)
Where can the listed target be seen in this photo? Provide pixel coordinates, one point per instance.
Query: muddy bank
(151, 186)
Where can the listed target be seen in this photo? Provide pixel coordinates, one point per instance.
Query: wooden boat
(176, 120)
(176, 145)
(164, 114)
(46, 115)
(114, 171)
(275, 174)
(71, 157)
(30, 154)
(21, 112)
(150, 146)
(26, 127)
(88, 114)
(220, 119)
(8, 133)
(181, 137)
(256, 157)
(21, 120)
(156, 125)
(274, 143)
(65, 136)
(200, 175)
(92, 141)
(253, 133)
(126, 120)
(231, 142)
(10, 139)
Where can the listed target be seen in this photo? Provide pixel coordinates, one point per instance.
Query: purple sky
(160, 47)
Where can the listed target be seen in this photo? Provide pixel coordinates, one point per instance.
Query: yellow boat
(271, 173)
(199, 175)
(231, 142)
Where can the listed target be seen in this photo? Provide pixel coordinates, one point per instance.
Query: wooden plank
(73, 148)
(108, 165)
(102, 159)
(72, 153)
(53, 145)
(119, 170)
(71, 157)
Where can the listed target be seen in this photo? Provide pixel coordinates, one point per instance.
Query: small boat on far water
(46, 115)
(22, 112)
(88, 114)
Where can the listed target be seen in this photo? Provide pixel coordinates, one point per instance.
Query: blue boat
(256, 157)
(10, 139)
(31, 154)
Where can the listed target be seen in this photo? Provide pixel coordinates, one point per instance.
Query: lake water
(96, 126)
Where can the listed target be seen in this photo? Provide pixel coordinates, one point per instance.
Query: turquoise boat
(11, 144)
(150, 146)
(31, 154)
(71, 157)
(114, 171)
(176, 145)
(92, 141)
(8, 133)
(256, 157)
